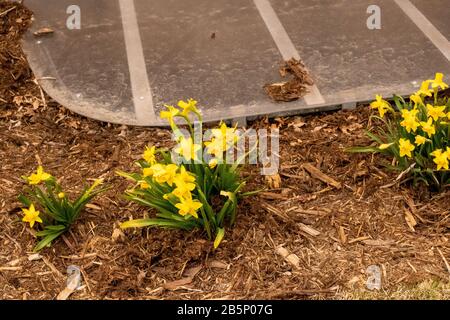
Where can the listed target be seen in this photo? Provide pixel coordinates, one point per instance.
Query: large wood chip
(175, 285)
(412, 207)
(342, 235)
(93, 207)
(10, 268)
(118, 236)
(34, 257)
(281, 214)
(43, 31)
(316, 173)
(86, 256)
(410, 221)
(310, 212)
(218, 264)
(410, 202)
(289, 257)
(378, 243)
(272, 196)
(307, 229)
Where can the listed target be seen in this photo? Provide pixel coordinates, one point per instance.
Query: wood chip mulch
(311, 234)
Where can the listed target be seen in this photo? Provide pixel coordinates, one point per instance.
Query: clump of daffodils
(192, 187)
(57, 212)
(418, 134)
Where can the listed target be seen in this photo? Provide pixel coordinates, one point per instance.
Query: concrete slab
(351, 62)
(131, 57)
(88, 65)
(184, 61)
(438, 12)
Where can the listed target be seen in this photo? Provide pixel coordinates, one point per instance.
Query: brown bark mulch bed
(336, 230)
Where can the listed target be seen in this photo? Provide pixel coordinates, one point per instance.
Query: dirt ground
(337, 233)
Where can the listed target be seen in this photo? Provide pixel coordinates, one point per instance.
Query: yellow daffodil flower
(166, 175)
(61, 195)
(147, 172)
(184, 177)
(213, 163)
(224, 133)
(215, 147)
(440, 159)
(409, 113)
(188, 107)
(184, 182)
(144, 185)
(436, 112)
(149, 155)
(425, 89)
(221, 131)
(438, 82)
(223, 139)
(226, 194)
(182, 193)
(156, 168)
(187, 149)
(96, 183)
(410, 122)
(420, 140)
(31, 216)
(417, 99)
(382, 105)
(406, 148)
(39, 176)
(188, 206)
(169, 114)
(384, 146)
(428, 127)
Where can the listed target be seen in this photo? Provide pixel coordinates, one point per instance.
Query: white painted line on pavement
(142, 93)
(284, 44)
(425, 26)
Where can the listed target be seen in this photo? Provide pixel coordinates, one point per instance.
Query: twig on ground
(4, 13)
(445, 260)
(44, 102)
(400, 176)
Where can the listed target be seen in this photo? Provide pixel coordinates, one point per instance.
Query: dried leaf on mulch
(189, 277)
